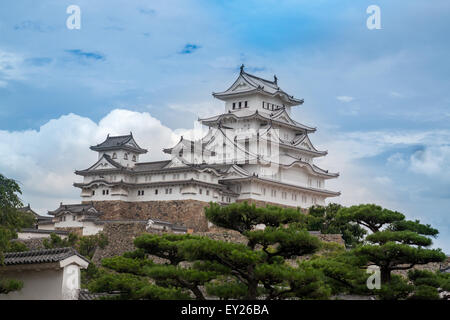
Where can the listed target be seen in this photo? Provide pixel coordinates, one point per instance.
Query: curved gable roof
(248, 83)
(126, 142)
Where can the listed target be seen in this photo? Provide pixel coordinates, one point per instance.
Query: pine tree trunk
(385, 275)
(252, 290)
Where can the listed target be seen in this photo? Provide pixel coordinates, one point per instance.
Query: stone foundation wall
(188, 213)
(120, 239)
(337, 238)
(33, 244)
(432, 266)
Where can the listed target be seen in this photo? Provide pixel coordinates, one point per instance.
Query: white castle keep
(253, 151)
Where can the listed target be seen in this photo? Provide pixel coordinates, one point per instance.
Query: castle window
(114, 155)
(200, 191)
(134, 158)
(240, 105)
(180, 153)
(125, 156)
(73, 218)
(170, 191)
(103, 192)
(156, 191)
(93, 192)
(234, 105)
(207, 192)
(246, 105)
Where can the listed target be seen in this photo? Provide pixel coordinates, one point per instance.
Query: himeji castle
(254, 152)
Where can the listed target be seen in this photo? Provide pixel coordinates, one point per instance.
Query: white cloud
(44, 161)
(383, 180)
(432, 161)
(202, 109)
(397, 159)
(346, 150)
(345, 98)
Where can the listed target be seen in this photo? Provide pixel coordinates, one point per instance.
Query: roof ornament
(275, 79)
(242, 68)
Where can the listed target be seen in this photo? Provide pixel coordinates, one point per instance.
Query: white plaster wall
(46, 227)
(254, 102)
(256, 191)
(120, 157)
(90, 228)
(38, 285)
(30, 235)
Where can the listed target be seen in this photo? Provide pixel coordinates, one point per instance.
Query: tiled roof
(149, 166)
(82, 208)
(119, 142)
(39, 256)
(31, 230)
(84, 294)
(255, 83)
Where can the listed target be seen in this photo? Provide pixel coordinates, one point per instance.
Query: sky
(379, 98)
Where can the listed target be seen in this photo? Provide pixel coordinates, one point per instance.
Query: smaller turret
(122, 149)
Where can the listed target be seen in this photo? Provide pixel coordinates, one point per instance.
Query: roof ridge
(121, 136)
(159, 161)
(40, 251)
(259, 78)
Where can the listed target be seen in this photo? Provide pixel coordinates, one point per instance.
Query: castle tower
(254, 151)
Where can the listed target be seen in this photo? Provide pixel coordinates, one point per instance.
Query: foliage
(396, 289)
(429, 285)
(271, 263)
(326, 220)
(56, 241)
(198, 265)
(11, 220)
(8, 285)
(87, 245)
(394, 244)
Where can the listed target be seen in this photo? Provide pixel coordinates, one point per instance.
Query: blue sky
(380, 98)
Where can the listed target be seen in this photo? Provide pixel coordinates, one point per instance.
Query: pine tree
(11, 219)
(201, 267)
(395, 243)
